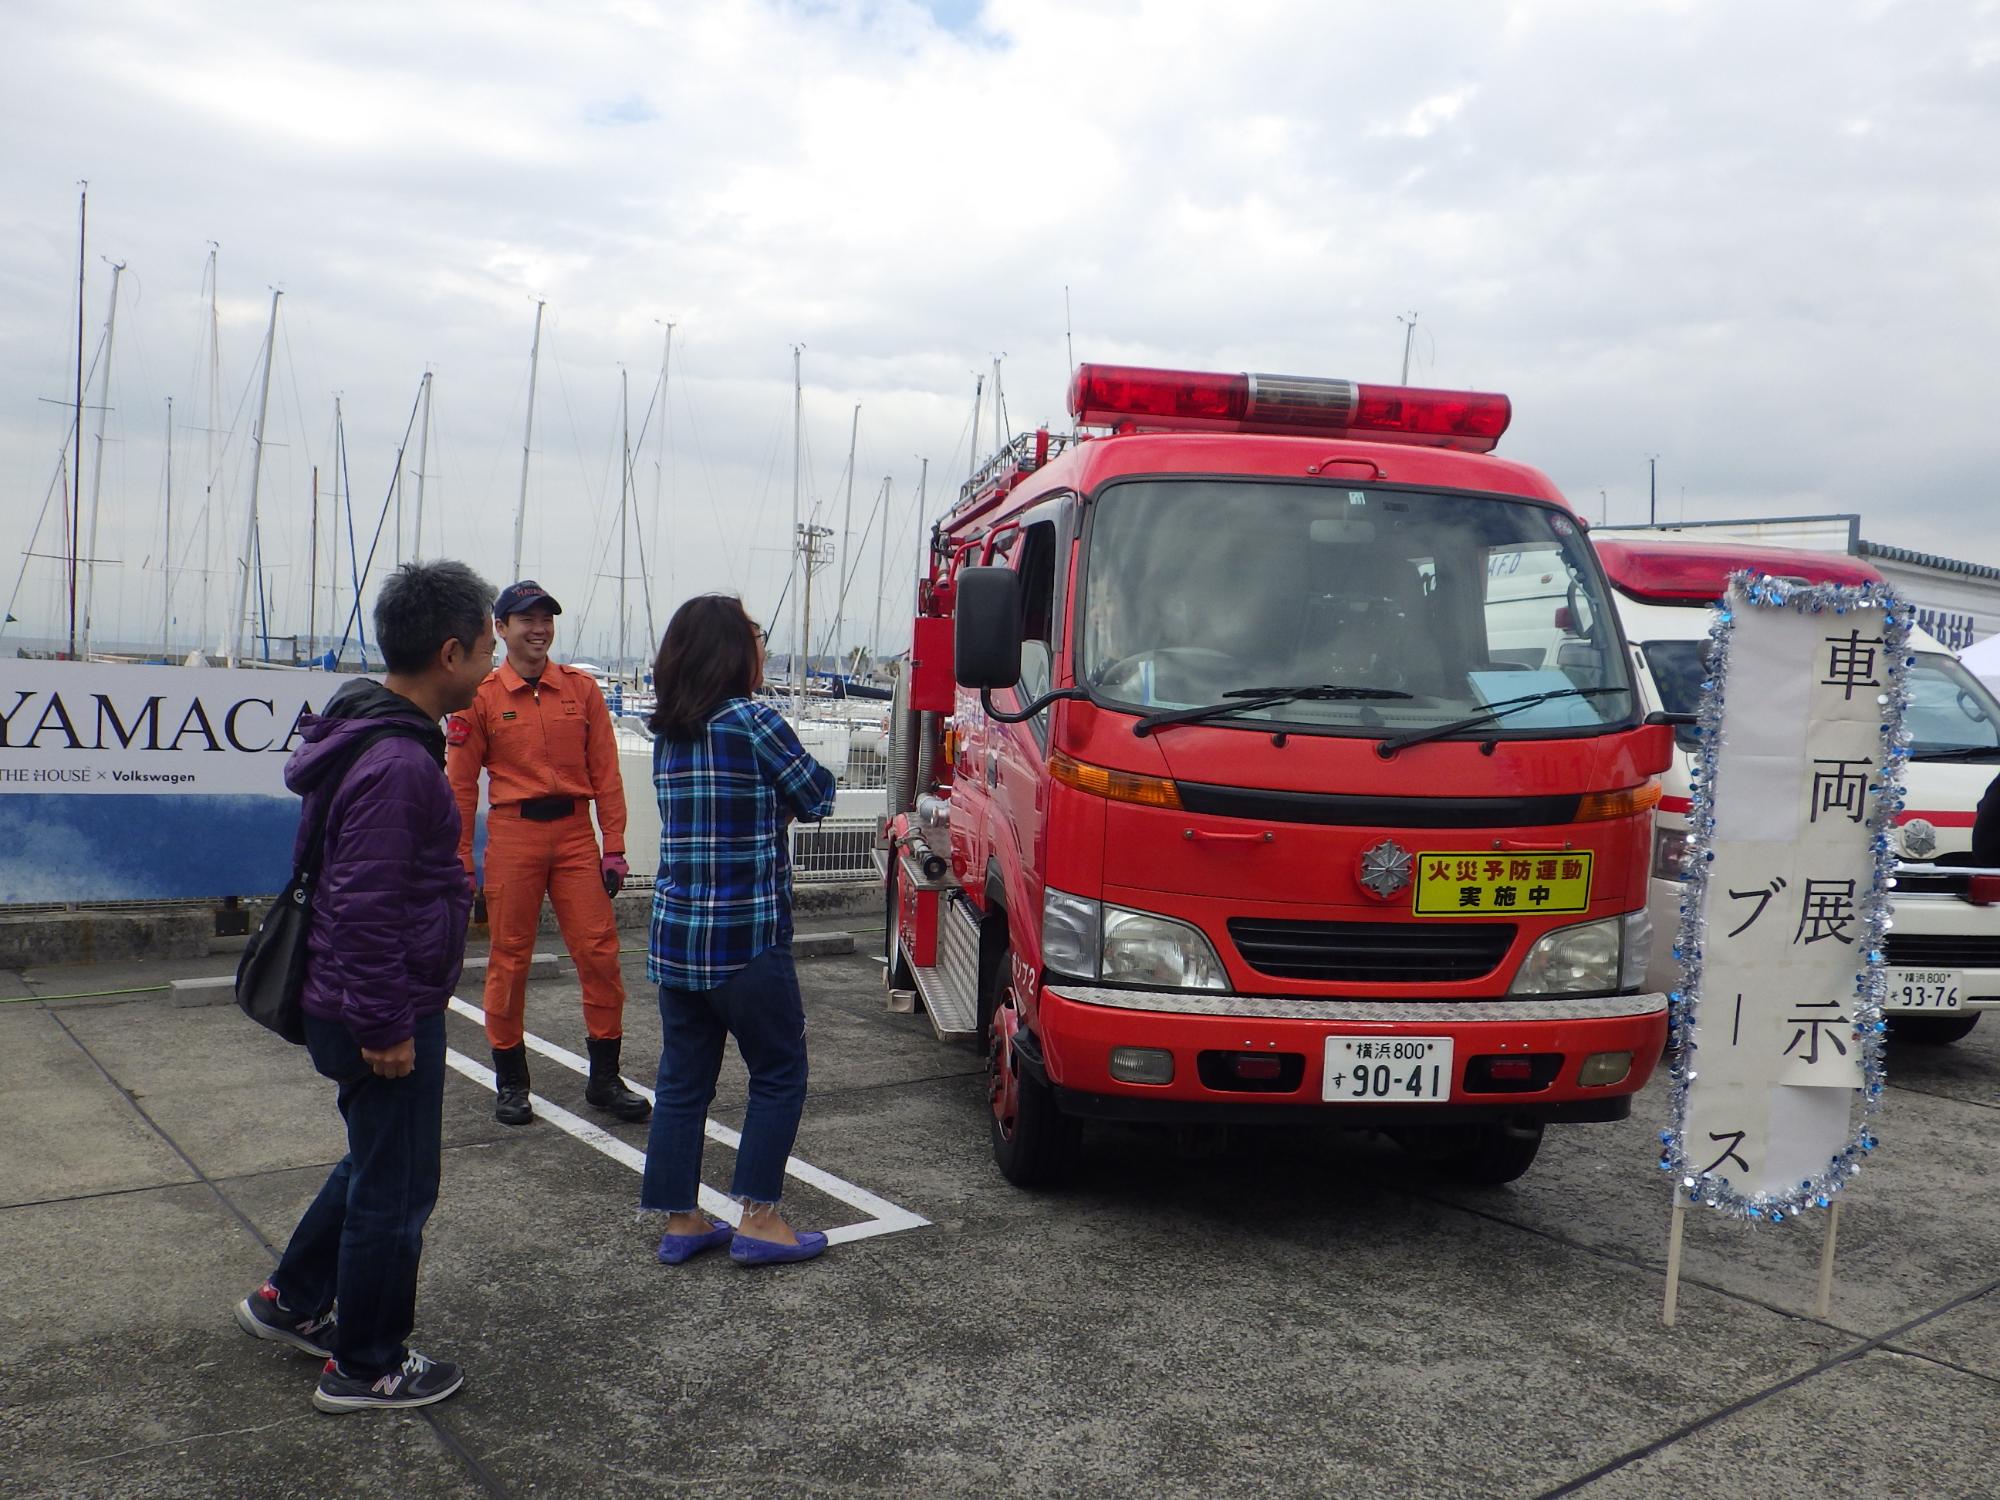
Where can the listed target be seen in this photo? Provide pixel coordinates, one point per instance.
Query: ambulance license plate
(1484, 883)
(1386, 1070)
(1923, 989)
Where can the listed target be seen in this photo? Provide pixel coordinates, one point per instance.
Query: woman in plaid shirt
(730, 774)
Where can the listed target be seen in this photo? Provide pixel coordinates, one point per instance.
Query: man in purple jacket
(387, 940)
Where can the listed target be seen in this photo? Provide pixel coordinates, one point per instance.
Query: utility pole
(97, 473)
(1409, 337)
(1652, 489)
(527, 440)
(240, 621)
(423, 462)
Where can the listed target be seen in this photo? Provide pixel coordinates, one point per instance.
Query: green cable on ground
(144, 989)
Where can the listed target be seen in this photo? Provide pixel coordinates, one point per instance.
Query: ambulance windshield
(1951, 714)
(1434, 605)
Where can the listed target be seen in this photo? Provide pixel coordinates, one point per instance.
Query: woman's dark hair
(707, 657)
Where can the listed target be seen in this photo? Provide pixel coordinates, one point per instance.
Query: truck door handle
(1203, 836)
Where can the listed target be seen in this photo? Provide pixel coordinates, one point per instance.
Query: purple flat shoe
(746, 1251)
(675, 1248)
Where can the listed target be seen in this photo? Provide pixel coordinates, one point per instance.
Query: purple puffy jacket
(390, 912)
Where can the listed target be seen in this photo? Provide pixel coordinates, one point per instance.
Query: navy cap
(519, 598)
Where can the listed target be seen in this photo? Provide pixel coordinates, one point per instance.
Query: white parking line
(884, 1217)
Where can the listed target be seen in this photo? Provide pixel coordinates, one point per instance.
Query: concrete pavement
(1306, 1313)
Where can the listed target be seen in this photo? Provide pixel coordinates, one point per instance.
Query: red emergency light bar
(1125, 396)
(1675, 573)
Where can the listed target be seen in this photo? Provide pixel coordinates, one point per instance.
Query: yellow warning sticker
(1485, 884)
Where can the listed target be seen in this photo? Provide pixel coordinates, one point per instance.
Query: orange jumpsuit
(538, 741)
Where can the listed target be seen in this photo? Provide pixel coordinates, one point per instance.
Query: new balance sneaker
(263, 1316)
(418, 1382)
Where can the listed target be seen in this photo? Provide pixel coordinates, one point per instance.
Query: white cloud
(1661, 229)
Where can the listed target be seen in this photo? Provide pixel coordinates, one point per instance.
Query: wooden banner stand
(1822, 1303)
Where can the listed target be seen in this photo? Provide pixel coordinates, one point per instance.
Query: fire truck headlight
(1140, 948)
(1071, 927)
(1638, 948)
(1573, 960)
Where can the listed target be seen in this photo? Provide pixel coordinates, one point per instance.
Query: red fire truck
(1269, 752)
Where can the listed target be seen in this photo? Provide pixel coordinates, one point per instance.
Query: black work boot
(606, 1089)
(510, 1083)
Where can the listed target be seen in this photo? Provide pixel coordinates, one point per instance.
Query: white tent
(1982, 659)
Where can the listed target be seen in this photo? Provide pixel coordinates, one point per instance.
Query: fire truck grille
(1942, 950)
(1371, 952)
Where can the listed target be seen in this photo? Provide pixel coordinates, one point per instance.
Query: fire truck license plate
(1387, 1070)
(1481, 883)
(1922, 989)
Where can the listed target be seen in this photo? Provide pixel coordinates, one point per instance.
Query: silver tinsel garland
(1870, 981)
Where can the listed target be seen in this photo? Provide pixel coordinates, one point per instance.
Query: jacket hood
(358, 706)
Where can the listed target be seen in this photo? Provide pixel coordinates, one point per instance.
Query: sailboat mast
(73, 494)
(214, 410)
(923, 477)
(240, 619)
(312, 575)
(97, 471)
(333, 573)
(978, 400)
(624, 493)
(659, 473)
(881, 572)
(423, 462)
(798, 420)
(167, 551)
(527, 440)
(846, 536)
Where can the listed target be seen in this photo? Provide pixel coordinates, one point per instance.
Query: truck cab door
(1014, 764)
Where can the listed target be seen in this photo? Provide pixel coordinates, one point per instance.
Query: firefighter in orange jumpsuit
(542, 734)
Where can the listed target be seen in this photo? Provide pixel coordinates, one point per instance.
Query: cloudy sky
(1761, 242)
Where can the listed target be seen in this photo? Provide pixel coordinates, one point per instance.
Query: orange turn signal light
(1596, 807)
(1116, 786)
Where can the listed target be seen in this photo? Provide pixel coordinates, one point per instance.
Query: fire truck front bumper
(1182, 1055)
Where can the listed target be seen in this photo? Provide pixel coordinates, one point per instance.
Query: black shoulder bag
(271, 976)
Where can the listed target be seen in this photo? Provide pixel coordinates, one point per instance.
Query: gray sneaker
(417, 1382)
(263, 1316)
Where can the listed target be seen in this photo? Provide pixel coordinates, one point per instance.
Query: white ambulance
(1944, 949)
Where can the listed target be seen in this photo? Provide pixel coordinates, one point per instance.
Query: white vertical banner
(1797, 779)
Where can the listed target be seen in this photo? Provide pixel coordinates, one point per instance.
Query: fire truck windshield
(1407, 610)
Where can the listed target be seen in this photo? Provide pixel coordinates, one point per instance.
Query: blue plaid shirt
(724, 891)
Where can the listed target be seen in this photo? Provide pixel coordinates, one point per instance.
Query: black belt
(545, 809)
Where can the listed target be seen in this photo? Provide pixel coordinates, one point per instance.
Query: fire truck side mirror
(987, 643)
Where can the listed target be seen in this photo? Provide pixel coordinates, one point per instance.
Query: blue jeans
(759, 1005)
(360, 1241)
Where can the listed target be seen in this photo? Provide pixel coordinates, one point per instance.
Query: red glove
(615, 870)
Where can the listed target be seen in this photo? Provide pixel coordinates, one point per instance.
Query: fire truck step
(950, 988)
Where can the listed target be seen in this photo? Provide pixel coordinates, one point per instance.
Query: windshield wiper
(1487, 715)
(1961, 752)
(1248, 700)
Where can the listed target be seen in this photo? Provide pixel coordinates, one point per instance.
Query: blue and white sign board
(1797, 780)
(147, 783)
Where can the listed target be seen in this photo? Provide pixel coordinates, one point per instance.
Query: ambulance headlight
(1573, 960)
(1140, 948)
